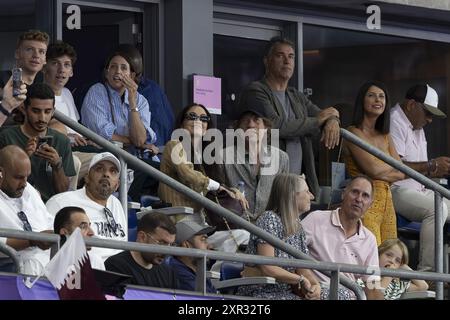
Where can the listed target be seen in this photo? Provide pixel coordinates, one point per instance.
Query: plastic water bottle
(241, 187)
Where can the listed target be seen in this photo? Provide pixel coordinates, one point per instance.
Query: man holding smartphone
(30, 57)
(11, 102)
(49, 163)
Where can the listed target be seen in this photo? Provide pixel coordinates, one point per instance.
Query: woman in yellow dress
(371, 123)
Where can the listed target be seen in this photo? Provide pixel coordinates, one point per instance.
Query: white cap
(431, 99)
(105, 156)
(425, 94)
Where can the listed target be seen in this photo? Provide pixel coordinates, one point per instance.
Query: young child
(393, 253)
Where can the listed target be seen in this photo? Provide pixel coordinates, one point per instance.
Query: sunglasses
(26, 224)
(110, 219)
(193, 116)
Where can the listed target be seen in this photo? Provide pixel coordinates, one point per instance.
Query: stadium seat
(408, 229)
(231, 279)
(132, 234)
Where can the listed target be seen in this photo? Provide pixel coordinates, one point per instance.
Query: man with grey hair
(103, 209)
(290, 111)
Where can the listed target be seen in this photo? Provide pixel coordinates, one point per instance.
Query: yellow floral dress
(380, 218)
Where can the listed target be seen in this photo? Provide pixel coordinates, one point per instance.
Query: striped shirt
(396, 288)
(96, 113)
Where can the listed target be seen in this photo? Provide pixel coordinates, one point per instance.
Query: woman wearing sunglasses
(185, 162)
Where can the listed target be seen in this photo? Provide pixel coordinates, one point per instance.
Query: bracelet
(430, 165)
(4, 111)
(436, 165)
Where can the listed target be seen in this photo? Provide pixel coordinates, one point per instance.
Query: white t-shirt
(97, 216)
(96, 261)
(65, 104)
(34, 259)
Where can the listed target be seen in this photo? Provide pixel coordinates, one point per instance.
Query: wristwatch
(4, 111)
(135, 109)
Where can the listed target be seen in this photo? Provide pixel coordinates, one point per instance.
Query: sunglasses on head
(193, 116)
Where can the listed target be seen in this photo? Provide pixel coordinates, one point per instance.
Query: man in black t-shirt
(148, 269)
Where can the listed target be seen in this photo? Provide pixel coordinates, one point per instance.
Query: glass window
(337, 62)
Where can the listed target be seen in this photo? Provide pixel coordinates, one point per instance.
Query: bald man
(21, 208)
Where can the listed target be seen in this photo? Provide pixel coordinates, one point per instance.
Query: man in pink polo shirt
(411, 199)
(339, 235)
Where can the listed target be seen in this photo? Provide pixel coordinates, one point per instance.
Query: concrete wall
(188, 35)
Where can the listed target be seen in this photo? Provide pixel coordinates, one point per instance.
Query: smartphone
(44, 140)
(17, 81)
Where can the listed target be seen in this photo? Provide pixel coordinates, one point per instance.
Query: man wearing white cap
(104, 210)
(411, 199)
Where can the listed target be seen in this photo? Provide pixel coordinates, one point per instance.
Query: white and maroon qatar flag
(70, 272)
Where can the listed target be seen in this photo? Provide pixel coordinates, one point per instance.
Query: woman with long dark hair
(184, 162)
(371, 123)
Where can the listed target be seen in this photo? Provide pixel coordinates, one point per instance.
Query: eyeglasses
(110, 219)
(26, 224)
(193, 116)
(160, 242)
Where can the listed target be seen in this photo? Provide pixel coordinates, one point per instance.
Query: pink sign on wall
(208, 92)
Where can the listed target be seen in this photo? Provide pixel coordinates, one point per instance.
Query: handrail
(427, 182)
(197, 197)
(11, 253)
(220, 255)
(439, 191)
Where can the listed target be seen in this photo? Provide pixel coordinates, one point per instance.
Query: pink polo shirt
(410, 144)
(325, 238)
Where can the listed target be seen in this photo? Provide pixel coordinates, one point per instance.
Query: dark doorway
(238, 61)
(102, 29)
(92, 44)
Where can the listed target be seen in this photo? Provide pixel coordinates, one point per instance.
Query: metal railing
(197, 197)
(334, 274)
(439, 191)
(203, 255)
(11, 253)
